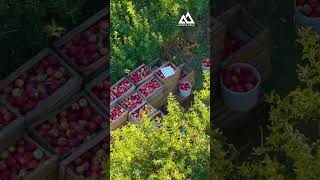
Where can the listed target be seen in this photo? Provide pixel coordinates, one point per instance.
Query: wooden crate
(72, 86)
(134, 92)
(155, 64)
(134, 120)
(142, 80)
(120, 121)
(57, 109)
(48, 169)
(95, 68)
(158, 114)
(217, 32)
(238, 17)
(129, 91)
(170, 81)
(190, 74)
(156, 98)
(103, 76)
(66, 173)
(9, 131)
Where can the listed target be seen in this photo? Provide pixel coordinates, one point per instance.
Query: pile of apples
(102, 91)
(185, 86)
(71, 126)
(232, 43)
(116, 112)
(21, 159)
(88, 47)
(149, 87)
(239, 79)
(6, 117)
(140, 74)
(206, 62)
(132, 101)
(310, 8)
(159, 73)
(121, 88)
(146, 109)
(88, 165)
(36, 84)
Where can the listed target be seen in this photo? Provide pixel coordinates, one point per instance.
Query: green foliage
(178, 149)
(141, 28)
(24, 26)
(291, 150)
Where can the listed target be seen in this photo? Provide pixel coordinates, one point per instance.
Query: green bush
(178, 150)
(139, 30)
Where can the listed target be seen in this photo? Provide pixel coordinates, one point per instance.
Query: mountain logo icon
(186, 20)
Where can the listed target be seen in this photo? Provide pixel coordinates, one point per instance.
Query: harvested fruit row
(88, 164)
(71, 126)
(121, 88)
(89, 46)
(6, 117)
(144, 109)
(102, 91)
(140, 74)
(35, 84)
(116, 112)
(148, 88)
(21, 159)
(132, 101)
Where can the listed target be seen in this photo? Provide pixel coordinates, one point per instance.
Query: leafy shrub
(139, 29)
(178, 149)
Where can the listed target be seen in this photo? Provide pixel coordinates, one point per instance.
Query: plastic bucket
(186, 93)
(304, 21)
(241, 101)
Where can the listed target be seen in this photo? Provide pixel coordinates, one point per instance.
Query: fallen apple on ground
(149, 87)
(146, 109)
(21, 159)
(88, 165)
(159, 73)
(132, 101)
(116, 112)
(121, 88)
(89, 46)
(36, 84)
(185, 86)
(102, 91)
(140, 74)
(6, 117)
(239, 79)
(71, 126)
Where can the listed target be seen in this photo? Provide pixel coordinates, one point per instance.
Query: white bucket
(301, 20)
(241, 101)
(184, 93)
(205, 68)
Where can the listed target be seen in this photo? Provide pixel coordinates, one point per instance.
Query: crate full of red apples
(99, 90)
(140, 75)
(87, 162)
(245, 39)
(152, 91)
(23, 158)
(69, 125)
(86, 48)
(39, 84)
(132, 101)
(146, 109)
(122, 88)
(118, 116)
(168, 74)
(10, 123)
